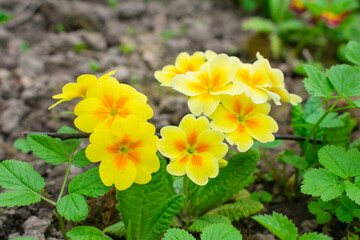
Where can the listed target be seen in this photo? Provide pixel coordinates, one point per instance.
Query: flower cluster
(121, 138)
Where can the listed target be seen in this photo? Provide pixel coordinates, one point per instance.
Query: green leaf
(117, 229)
(162, 219)
(177, 234)
(220, 231)
(317, 209)
(314, 236)
(291, 25)
(230, 180)
(140, 202)
(18, 198)
(317, 84)
(259, 24)
(352, 52)
(265, 196)
(73, 207)
(70, 145)
(80, 160)
(47, 148)
(321, 183)
(202, 222)
(340, 162)
(279, 225)
(22, 145)
(345, 79)
(86, 233)
(341, 135)
(352, 191)
(240, 209)
(88, 184)
(24, 238)
(20, 176)
(295, 160)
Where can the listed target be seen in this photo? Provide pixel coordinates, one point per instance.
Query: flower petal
(173, 142)
(261, 127)
(188, 85)
(222, 70)
(223, 120)
(204, 103)
(202, 166)
(177, 166)
(241, 138)
(211, 141)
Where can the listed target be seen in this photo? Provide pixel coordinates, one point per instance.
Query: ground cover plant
(194, 178)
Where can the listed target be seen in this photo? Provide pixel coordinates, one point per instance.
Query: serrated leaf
(323, 217)
(220, 231)
(345, 79)
(88, 184)
(87, 233)
(316, 208)
(73, 207)
(18, 198)
(140, 202)
(47, 148)
(177, 234)
(347, 210)
(344, 215)
(230, 180)
(240, 209)
(80, 160)
(352, 191)
(340, 135)
(162, 219)
(22, 145)
(202, 222)
(314, 236)
(353, 52)
(317, 84)
(321, 183)
(70, 145)
(117, 229)
(332, 120)
(279, 225)
(20, 176)
(265, 196)
(294, 160)
(259, 24)
(340, 162)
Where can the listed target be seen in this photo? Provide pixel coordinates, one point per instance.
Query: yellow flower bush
(126, 150)
(206, 86)
(184, 63)
(193, 148)
(79, 89)
(107, 101)
(242, 120)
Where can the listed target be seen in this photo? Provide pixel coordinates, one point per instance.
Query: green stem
(62, 226)
(186, 192)
(65, 180)
(343, 108)
(47, 200)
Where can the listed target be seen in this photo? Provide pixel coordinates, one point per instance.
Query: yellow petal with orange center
(202, 166)
(204, 103)
(193, 127)
(211, 141)
(188, 85)
(241, 138)
(187, 63)
(177, 166)
(173, 142)
(222, 70)
(90, 112)
(223, 120)
(261, 127)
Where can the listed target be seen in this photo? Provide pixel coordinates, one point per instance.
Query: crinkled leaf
(22, 145)
(347, 210)
(352, 191)
(240, 209)
(20, 175)
(140, 202)
(47, 148)
(352, 52)
(86, 233)
(162, 219)
(259, 24)
(177, 234)
(344, 215)
(18, 198)
(73, 207)
(220, 231)
(321, 183)
(80, 160)
(230, 180)
(345, 79)
(279, 225)
(317, 84)
(314, 236)
(88, 184)
(117, 229)
(202, 222)
(70, 145)
(340, 162)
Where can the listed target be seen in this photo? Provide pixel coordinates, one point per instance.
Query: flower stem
(65, 180)
(48, 200)
(186, 192)
(62, 226)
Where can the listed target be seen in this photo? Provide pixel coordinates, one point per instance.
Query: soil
(48, 43)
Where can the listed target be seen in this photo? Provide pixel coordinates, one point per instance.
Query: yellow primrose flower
(184, 63)
(127, 151)
(107, 101)
(78, 89)
(206, 86)
(242, 120)
(193, 148)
